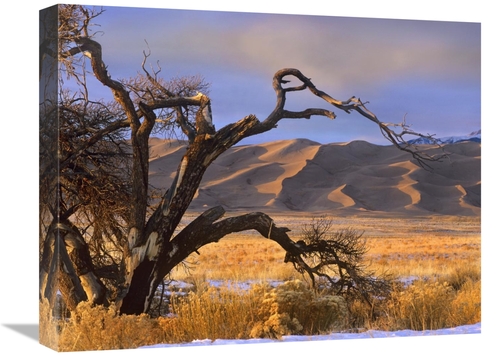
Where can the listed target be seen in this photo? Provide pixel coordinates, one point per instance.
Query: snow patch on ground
(370, 334)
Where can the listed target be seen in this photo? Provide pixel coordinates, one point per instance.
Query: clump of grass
(293, 308)
(422, 306)
(462, 274)
(103, 328)
(211, 313)
(261, 312)
(466, 308)
(466, 281)
(430, 304)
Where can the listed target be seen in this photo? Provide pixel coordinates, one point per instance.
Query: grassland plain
(438, 258)
(417, 246)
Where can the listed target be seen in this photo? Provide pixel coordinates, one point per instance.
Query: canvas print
(223, 177)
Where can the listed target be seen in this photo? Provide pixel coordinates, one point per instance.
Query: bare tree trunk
(150, 258)
(66, 267)
(206, 229)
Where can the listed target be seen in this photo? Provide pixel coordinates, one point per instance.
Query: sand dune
(302, 175)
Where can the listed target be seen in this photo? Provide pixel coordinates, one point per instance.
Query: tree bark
(205, 229)
(67, 268)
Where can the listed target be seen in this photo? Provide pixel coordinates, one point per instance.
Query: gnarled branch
(335, 258)
(352, 104)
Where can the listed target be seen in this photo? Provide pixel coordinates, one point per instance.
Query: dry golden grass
(260, 312)
(98, 328)
(243, 257)
(431, 305)
(418, 247)
(442, 256)
(423, 255)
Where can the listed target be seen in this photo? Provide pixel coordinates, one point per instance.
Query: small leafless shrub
(335, 261)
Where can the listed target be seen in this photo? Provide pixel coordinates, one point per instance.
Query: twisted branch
(398, 139)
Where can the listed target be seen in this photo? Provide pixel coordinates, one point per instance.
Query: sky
(427, 72)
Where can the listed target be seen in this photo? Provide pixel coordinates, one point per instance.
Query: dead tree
(146, 239)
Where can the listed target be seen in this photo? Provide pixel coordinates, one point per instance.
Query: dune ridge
(305, 176)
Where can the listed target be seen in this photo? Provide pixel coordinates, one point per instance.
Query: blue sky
(429, 71)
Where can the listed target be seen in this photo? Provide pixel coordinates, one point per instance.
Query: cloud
(426, 68)
(344, 49)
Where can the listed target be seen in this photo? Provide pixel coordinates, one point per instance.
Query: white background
(19, 171)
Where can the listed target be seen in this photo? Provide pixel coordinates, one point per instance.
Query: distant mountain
(343, 178)
(473, 136)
